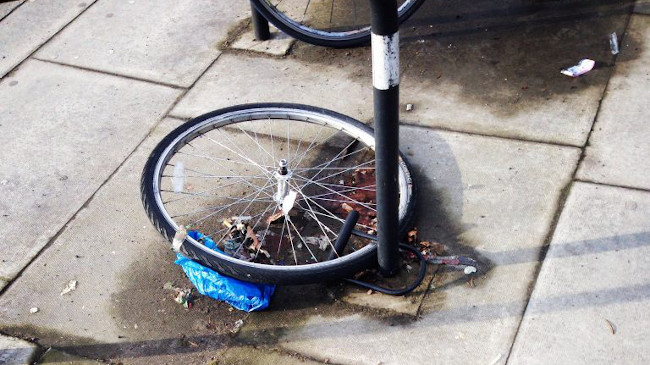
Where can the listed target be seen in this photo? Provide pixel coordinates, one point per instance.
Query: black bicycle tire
(339, 268)
(292, 28)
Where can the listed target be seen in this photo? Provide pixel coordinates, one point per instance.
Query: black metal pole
(385, 75)
(260, 25)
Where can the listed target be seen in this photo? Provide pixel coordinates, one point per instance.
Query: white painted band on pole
(385, 61)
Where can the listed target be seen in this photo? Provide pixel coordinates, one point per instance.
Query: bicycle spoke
(293, 247)
(301, 238)
(321, 225)
(256, 141)
(220, 210)
(339, 173)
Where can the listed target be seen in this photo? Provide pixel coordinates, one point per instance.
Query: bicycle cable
(344, 236)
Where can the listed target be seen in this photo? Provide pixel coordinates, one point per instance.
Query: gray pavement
(598, 254)
(541, 177)
(31, 24)
(618, 149)
(58, 151)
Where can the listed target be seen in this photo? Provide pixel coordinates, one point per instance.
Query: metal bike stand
(260, 25)
(385, 81)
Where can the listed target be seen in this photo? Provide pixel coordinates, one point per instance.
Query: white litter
(322, 242)
(469, 270)
(496, 359)
(72, 285)
(613, 43)
(581, 68)
(238, 324)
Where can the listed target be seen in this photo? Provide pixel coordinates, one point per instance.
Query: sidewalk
(542, 177)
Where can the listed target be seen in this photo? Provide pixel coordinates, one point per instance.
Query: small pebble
(33, 310)
(409, 107)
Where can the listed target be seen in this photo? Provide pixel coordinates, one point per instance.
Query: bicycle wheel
(263, 190)
(339, 24)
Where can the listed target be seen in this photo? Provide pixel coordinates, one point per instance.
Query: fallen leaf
(227, 222)
(612, 326)
(256, 242)
(470, 282)
(347, 207)
(275, 216)
(413, 235)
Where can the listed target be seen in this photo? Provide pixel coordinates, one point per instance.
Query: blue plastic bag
(240, 294)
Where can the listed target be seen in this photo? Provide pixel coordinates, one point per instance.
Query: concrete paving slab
(239, 79)
(260, 356)
(166, 41)
(55, 357)
(642, 7)
(502, 81)
(31, 25)
(506, 80)
(492, 195)
(63, 132)
(14, 351)
(490, 198)
(590, 302)
(120, 310)
(278, 45)
(618, 148)
(6, 8)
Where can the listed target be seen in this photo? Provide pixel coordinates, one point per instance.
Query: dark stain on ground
(48, 336)
(439, 209)
(507, 55)
(194, 334)
(293, 306)
(155, 328)
(235, 32)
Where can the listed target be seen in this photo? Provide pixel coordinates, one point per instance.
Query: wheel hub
(282, 175)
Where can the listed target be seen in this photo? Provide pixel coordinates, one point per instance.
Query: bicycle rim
(332, 23)
(270, 185)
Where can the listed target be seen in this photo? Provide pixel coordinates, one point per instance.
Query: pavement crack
(160, 83)
(10, 72)
(564, 195)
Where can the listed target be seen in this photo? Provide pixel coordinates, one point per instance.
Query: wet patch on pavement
(144, 306)
(504, 56)
(293, 306)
